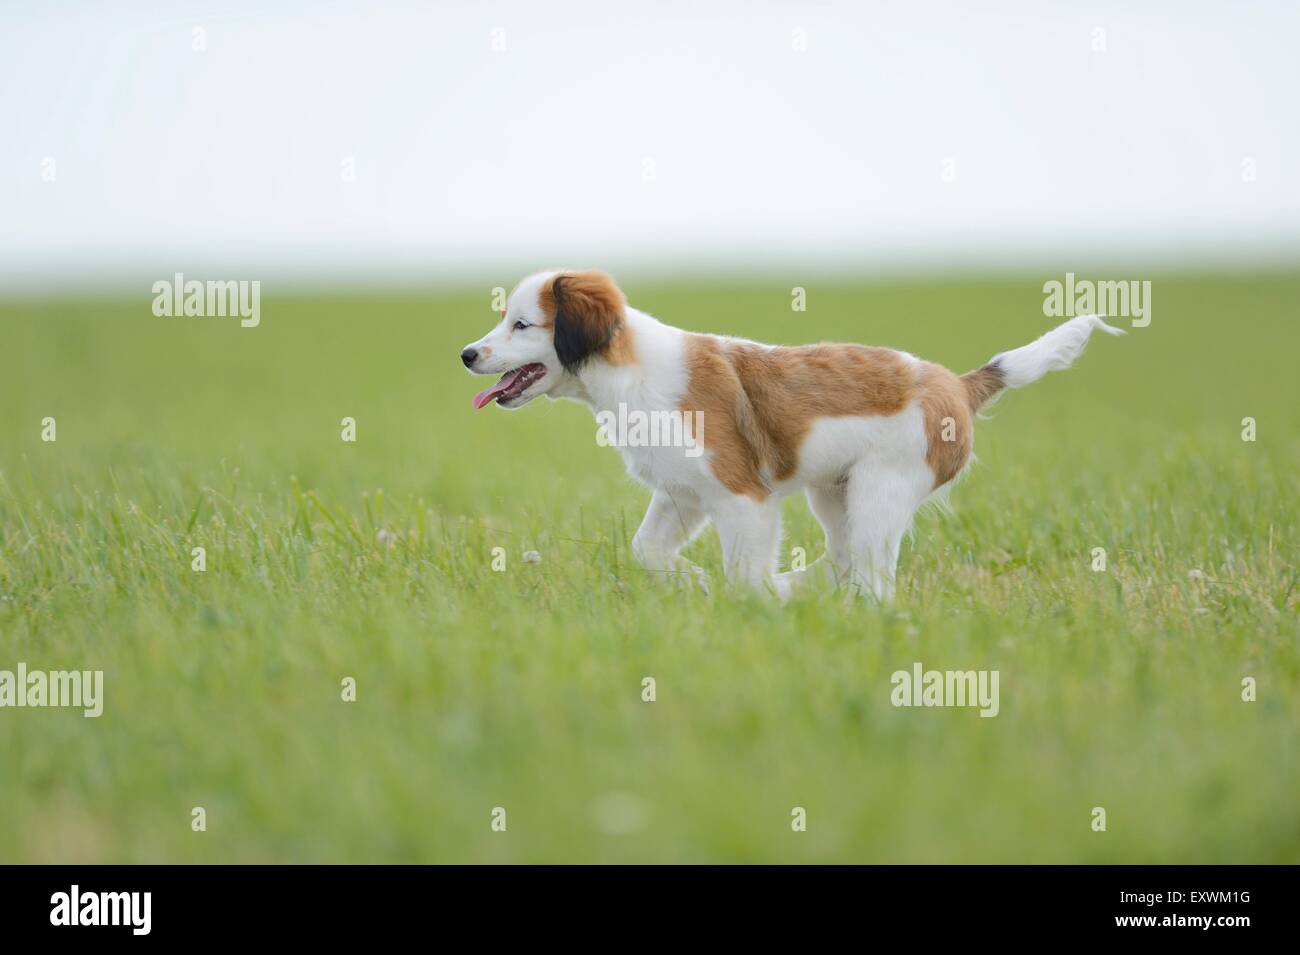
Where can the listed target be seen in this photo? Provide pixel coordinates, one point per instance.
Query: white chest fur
(638, 407)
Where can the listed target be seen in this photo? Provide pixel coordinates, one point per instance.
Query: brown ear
(588, 310)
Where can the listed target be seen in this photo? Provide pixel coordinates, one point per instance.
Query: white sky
(474, 162)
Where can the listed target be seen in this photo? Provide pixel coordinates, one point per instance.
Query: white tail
(1054, 351)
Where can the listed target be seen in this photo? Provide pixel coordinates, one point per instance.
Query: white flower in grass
(532, 557)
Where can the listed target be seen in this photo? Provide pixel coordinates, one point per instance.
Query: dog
(868, 434)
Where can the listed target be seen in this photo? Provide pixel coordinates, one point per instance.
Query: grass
(522, 689)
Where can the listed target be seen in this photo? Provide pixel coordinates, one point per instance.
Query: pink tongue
(484, 397)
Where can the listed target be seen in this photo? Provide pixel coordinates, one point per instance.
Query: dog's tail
(1054, 351)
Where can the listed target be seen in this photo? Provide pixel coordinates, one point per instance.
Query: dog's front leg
(670, 523)
(750, 533)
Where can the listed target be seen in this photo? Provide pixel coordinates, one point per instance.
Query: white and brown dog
(867, 433)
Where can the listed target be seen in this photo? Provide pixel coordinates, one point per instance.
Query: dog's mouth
(512, 384)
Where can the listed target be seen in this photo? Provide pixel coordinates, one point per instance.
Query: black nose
(468, 356)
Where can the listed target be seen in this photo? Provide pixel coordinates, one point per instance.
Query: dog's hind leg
(881, 503)
(829, 505)
(670, 523)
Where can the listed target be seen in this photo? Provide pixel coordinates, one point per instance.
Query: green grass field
(522, 689)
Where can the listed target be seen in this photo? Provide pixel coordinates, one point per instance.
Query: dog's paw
(693, 576)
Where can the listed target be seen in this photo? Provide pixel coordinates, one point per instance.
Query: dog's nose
(468, 356)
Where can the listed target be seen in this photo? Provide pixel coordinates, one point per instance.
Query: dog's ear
(588, 312)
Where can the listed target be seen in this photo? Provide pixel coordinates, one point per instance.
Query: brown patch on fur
(546, 299)
(621, 349)
(982, 384)
(949, 421)
(759, 403)
(592, 309)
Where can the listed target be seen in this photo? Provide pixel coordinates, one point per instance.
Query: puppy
(868, 434)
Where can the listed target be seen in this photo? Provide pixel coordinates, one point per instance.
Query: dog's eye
(520, 326)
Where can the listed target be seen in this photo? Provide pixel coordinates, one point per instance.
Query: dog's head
(553, 323)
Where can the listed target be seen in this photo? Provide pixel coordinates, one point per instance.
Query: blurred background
(347, 143)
